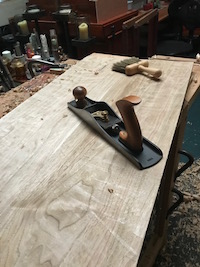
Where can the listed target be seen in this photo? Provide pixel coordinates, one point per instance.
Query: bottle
(29, 50)
(19, 63)
(45, 49)
(7, 59)
(54, 45)
(17, 49)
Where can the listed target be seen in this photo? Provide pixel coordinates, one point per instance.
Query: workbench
(68, 198)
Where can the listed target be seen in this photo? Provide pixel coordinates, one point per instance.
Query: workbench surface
(68, 198)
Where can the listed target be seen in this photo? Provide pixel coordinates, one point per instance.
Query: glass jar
(18, 67)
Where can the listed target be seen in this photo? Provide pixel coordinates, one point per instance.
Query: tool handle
(156, 73)
(132, 136)
(133, 68)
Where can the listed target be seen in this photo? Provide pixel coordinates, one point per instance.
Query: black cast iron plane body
(109, 130)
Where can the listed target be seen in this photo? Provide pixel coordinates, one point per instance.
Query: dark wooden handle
(132, 137)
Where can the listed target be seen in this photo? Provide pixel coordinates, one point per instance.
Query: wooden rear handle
(132, 137)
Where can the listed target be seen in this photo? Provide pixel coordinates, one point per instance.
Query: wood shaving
(110, 190)
(182, 247)
(11, 99)
(183, 234)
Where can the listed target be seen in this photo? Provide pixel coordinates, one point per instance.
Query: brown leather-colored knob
(79, 93)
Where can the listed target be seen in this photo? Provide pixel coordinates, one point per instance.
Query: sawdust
(11, 99)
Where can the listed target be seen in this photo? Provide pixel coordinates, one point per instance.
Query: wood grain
(67, 198)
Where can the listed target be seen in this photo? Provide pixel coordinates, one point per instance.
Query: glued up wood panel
(67, 197)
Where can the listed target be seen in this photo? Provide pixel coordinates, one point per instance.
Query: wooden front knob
(80, 93)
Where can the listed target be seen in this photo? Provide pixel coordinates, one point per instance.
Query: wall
(9, 8)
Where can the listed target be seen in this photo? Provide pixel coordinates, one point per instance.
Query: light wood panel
(67, 198)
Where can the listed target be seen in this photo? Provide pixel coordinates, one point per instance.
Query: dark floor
(183, 236)
(191, 141)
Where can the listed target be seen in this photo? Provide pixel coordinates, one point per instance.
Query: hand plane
(124, 135)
